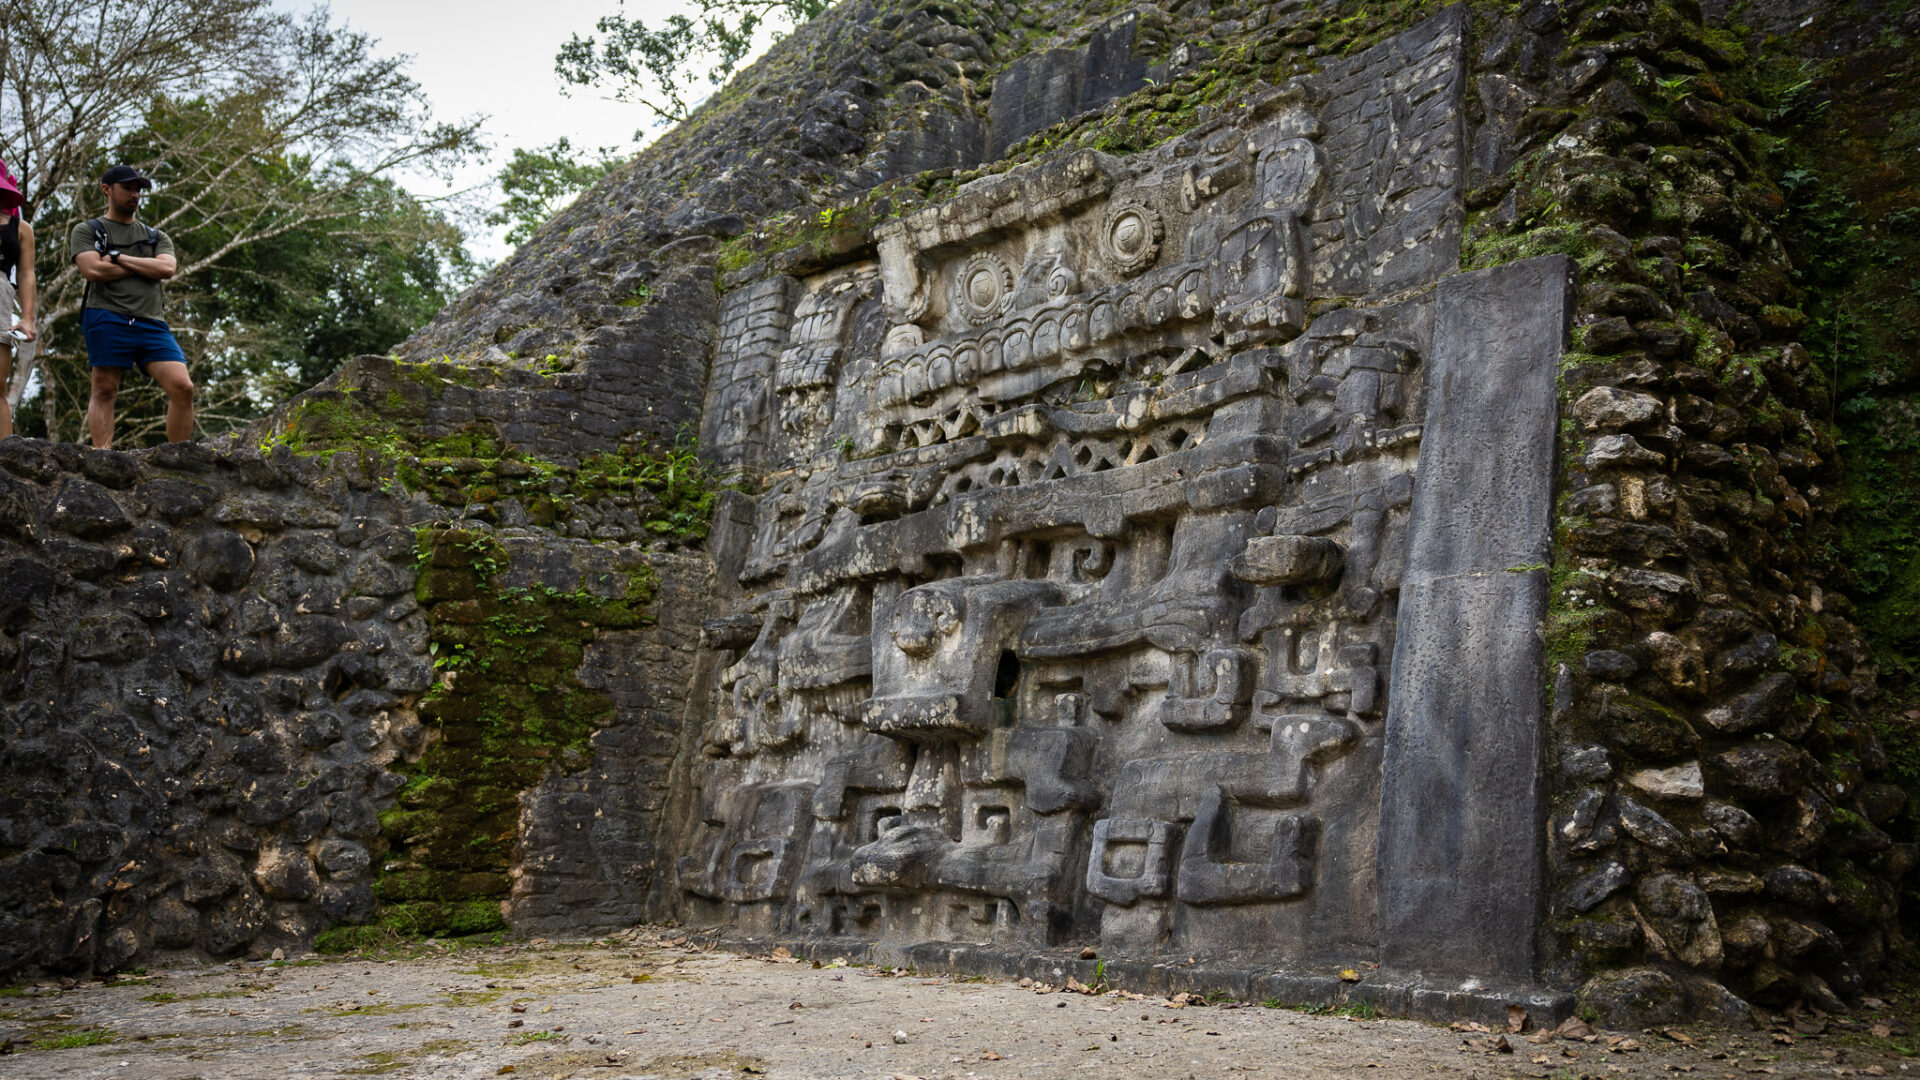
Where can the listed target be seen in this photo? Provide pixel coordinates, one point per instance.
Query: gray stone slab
(1461, 799)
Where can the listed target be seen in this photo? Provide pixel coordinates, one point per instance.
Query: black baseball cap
(125, 174)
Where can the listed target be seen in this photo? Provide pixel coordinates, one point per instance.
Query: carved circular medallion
(1131, 236)
(982, 289)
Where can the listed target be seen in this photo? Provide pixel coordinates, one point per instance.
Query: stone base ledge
(1391, 993)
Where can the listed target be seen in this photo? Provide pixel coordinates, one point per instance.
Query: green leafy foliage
(678, 478)
(540, 181)
(659, 66)
(1853, 227)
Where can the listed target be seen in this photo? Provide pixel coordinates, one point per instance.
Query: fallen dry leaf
(1469, 1025)
(1882, 1030)
(1678, 1036)
(990, 1055)
(1349, 975)
(1573, 1028)
(1516, 1019)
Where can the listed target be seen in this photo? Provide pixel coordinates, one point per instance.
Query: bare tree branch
(253, 123)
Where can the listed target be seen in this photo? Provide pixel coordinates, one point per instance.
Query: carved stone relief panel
(819, 341)
(1087, 632)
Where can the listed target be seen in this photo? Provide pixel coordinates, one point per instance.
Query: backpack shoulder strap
(99, 228)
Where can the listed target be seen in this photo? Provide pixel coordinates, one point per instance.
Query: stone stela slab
(1111, 585)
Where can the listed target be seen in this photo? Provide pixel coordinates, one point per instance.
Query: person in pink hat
(16, 286)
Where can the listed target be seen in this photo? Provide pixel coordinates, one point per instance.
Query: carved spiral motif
(982, 289)
(1131, 236)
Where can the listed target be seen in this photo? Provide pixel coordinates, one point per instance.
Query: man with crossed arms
(121, 314)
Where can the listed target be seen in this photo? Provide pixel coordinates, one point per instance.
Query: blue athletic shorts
(120, 341)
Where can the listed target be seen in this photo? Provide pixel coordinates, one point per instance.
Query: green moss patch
(507, 710)
(72, 1040)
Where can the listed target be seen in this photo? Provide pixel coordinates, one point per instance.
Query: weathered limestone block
(1289, 560)
(948, 639)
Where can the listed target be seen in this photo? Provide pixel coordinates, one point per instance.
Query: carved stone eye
(924, 621)
(1130, 236)
(982, 289)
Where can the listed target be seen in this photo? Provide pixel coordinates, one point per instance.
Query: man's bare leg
(106, 386)
(172, 377)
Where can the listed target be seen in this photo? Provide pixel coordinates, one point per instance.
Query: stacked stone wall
(1720, 802)
(225, 681)
(212, 661)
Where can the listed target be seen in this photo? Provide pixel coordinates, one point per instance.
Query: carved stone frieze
(1086, 630)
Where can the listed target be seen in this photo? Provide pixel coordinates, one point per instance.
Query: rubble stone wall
(223, 714)
(212, 661)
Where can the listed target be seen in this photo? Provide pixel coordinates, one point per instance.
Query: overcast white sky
(494, 58)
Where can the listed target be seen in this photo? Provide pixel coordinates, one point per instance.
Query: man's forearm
(156, 269)
(96, 268)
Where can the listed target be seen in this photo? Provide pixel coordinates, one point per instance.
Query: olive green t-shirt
(134, 295)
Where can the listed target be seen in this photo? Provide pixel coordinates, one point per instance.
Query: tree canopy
(540, 181)
(660, 66)
(273, 140)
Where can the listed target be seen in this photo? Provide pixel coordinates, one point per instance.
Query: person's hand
(25, 326)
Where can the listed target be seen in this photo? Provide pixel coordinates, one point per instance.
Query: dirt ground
(649, 1004)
